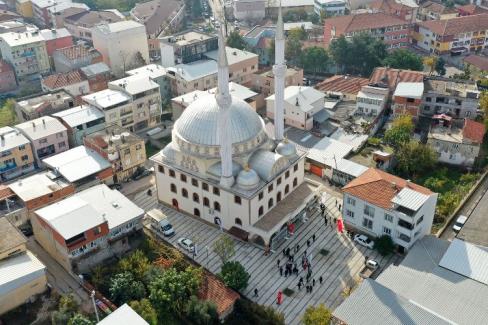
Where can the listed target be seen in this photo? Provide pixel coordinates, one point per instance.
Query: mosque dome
(286, 148)
(247, 179)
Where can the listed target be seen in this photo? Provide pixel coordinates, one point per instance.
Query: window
(351, 201)
(196, 212)
(295, 182)
(388, 217)
(217, 206)
(194, 182)
(349, 213)
(22, 147)
(387, 231)
(184, 192)
(183, 178)
(261, 210)
(287, 174)
(237, 199)
(97, 230)
(260, 196)
(420, 220)
(206, 202)
(61, 145)
(172, 173)
(270, 188)
(138, 147)
(367, 223)
(216, 191)
(295, 168)
(196, 198)
(24, 157)
(278, 197)
(428, 99)
(278, 181)
(287, 188)
(270, 203)
(369, 211)
(238, 221)
(205, 186)
(173, 188)
(161, 169)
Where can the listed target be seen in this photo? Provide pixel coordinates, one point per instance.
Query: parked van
(159, 221)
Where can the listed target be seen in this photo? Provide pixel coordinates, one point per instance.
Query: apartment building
(75, 57)
(80, 24)
(158, 15)
(392, 30)
(407, 99)
(430, 10)
(40, 11)
(158, 74)
(56, 39)
(330, 7)
(73, 82)
(456, 98)
(406, 10)
(16, 157)
(98, 76)
(35, 106)
(124, 150)
(272, 7)
(263, 82)
(7, 77)
(47, 135)
(456, 35)
(24, 8)
(251, 10)
(370, 107)
(112, 39)
(80, 121)
(477, 66)
(87, 228)
(26, 52)
(377, 203)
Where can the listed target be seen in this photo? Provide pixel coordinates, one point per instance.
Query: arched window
(238, 222)
(173, 188)
(270, 203)
(196, 212)
(278, 197)
(295, 182)
(287, 189)
(184, 192)
(217, 206)
(261, 210)
(196, 198)
(206, 202)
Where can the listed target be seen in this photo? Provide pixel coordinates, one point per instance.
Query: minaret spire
(279, 71)
(224, 100)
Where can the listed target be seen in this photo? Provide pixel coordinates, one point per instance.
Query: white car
(364, 241)
(461, 220)
(372, 264)
(186, 244)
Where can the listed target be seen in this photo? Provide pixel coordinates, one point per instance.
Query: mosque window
(205, 186)
(238, 222)
(295, 182)
(216, 191)
(217, 206)
(173, 188)
(183, 178)
(184, 192)
(270, 188)
(172, 173)
(206, 202)
(161, 169)
(237, 199)
(260, 211)
(196, 198)
(270, 203)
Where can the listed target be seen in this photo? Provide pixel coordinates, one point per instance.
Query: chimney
(34, 125)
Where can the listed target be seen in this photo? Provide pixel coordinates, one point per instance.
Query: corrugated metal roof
(123, 315)
(410, 199)
(350, 167)
(467, 259)
(18, 271)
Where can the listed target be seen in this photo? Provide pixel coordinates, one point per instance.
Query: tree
(293, 50)
(319, 315)
(246, 312)
(298, 33)
(484, 106)
(79, 319)
(235, 40)
(404, 59)
(196, 9)
(138, 61)
(124, 288)
(430, 62)
(414, 157)
(66, 309)
(440, 66)
(201, 312)
(136, 263)
(314, 18)
(315, 59)
(384, 245)
(224, 247)
(234, 275)
(271, 51)
(400, 132)
(144, 308)
(7, 113)
(171, 291)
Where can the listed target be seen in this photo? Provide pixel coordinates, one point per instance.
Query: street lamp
(92, 296)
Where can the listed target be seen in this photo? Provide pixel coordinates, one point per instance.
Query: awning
(321, 116)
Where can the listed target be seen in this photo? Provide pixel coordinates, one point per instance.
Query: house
(455, 35)
(64, 9)
(259, 39)
(98, 76)
(73, 82)
(123, 314)
(80, 121)
(159, 75)
(392, 30)
(342, 87)
(263, 82)
(157, 15)
(471, 9)
(477, 65)
(392, 77)
(11, 208)
(87, 228)
(35, 106)
(431, 10)
(456, 142)
(249, 10)
(80, 24)
(7, 77)
(124, 150)
(74, 57)
(371, 103)
(406, 10)
(377, 203)
(407, 99)
(111, 41)
(47, 135)
(22, 276)
(330, 7)
(303, 105)
(456, 98)
(16, 154)
(56, 39)
(214, 290)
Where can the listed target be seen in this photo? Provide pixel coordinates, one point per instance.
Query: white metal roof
(19, 271)
(106, 98)
(238, 91)
(151, 70)
(350, 167)
(371, 95)
(410, 199)
(233, 55)
(77, 163)
(307, 25)
(135, 84)
(22, 38)
(11, 138)
(36, 185)
(49, 34)
(409, 89)
(41, 127)
(188, 98)
(119, 26)
(123, 315)
(467, 259)
(195, 70)
(306, 96)
(327, 151)
(79, 115)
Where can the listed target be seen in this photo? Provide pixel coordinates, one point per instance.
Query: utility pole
(92, 296)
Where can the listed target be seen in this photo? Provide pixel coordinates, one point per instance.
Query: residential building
(81, 121)
(330, 7)
(157, 15)
(249, 10)
(16, 154)
(56, 39)
(23, 276)
(406, 10)
(26, 52)
(186, 47)
(456, 35)
(456, 98)
(242, 64)
(124, 150)
(263, 82)
(259, 39)
(98, 76)
(378, 203)
(392, 30)
(419, 290)
(342, 87)
(47, 135)
(302, 104)
(158, 74)
(24, 8)
(80, 24)
(40, 10)
(87, 228)
(112, 39)
(456, 142)
(123, 314)
(61, 10)
(6, 15)
(407, 99)
(35, 106)
(7, 77)
(12, 26)
(73, 82)
(370, 106)
(75, 57)
(272, 7)
(389, 77)
(477, 65)
(471, 9)
(430, 10)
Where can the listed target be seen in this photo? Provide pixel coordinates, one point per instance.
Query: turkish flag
(291, 228)
(340, 225)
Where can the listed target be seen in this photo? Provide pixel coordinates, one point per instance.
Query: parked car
(186, 244)
(460, 221)
(142, 172)
(160, 222)
(363, 240)
(116, 186)
(368, 270)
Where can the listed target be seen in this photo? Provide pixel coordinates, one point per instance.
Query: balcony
(404, 224)
(125, 113)
(404, 238)
(405, 211)
(7, 165)
(75, 240)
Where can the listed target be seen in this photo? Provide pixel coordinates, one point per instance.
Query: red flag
(340, 226)
(280, 297)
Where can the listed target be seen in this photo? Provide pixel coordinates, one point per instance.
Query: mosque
(223, 167)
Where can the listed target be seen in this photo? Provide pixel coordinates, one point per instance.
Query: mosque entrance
(174, 202)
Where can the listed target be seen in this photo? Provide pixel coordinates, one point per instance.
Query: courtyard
(339, 268)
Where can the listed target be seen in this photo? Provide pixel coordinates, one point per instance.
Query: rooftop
(458, 25)
(474, 131)
(41, 127)
(235, 89)
(11, 139)
(37, 185)
(304, 96)
(153, 14)
(437, 8)
(392, 77)
(123, 315)
(288, 3)
(77, 163)
(195, 70)
(410, 90)
(60, 7)
(472, 9)
(78, 51)
(19, 271)
(307, 25)
(95, 69)
(39, 103)
(151, 70)
(360, 22)
(22, 38)
(214, 290)
(186, 38)
(10, 236)
(48, 3)
(113, 136)
(135, 84)
(120, 26)
(64, 79)
(79, 115)
(452, 87)
(328, 151)
(49, 34)
(342, 84)
(91, 18)
(106, 98)
(478, 61)
(233, 55)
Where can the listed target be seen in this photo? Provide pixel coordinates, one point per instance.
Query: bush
(201, 312)
(248, 313)
(234, 275)
(79, 319)
(124, 288)
(375, 142)
(288, 292)
(384, 245)
(145, 310)
(319, 315)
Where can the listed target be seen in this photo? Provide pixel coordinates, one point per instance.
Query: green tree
(144, 308)
(384, 245)
(7, 113)
(314, 18)
(246, 312)
(236, 41)
(171, 291)
(224, 247)
(293, 50)
(201, 312)
(440, 66)
(79, 319)
(136, 263)
(414, 157)
(319, 315)
(124, 288)
(234, 275)
(404, 59)
(400, 131)
(298, 33)
(315, 59)
(484, 106)
(196, 9)
(67, 307)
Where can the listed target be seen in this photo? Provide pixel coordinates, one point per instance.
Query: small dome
(168, 153)
(286, 148)
(247, 179)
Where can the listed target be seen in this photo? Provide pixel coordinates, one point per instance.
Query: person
(278, 262)
(313, 238)
(340, 206)
(325, 220)
(149, 192)
(284, 251)
(256, 292)
(279, 298)
(301, 279)
(313, 282)
(292, 257)
(281, 270)
(320, 280)
(286, 272)
(297, 248)
(308, 242)
(299, 286)
(311, 289)
(288, 251)
(366, 258)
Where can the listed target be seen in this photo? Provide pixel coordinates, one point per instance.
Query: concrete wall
(22, 294)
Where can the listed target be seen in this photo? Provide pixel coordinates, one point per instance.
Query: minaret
(224, 100)
(279, 71)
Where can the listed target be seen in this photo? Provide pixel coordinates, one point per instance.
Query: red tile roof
(343, 84)
(458, 25)
(215, 291)
(437, 8)
(474, 131)
(60, 80)
(5, 192)
(361, 22)
(395, 76)
(379, 188)
(79, 51)
(480, 62)
(472, 9)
